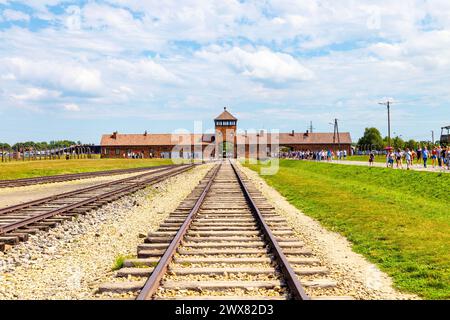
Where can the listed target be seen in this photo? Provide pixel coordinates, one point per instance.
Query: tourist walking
(425, 156)
(371, 158)
(409, 158)
(390, 159)
(447, 153)
(398, 159)
(433, 157)
(419, 154)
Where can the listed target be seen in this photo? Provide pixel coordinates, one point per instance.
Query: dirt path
(415, 167)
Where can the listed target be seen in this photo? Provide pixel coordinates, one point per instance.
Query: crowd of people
(322, 155)
(438, 156)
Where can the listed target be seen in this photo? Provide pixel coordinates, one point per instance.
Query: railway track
(18, 221)
(71, 176)
(224, 241)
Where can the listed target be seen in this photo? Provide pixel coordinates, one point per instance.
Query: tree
(43, 145)
(398, 143)
(372, 137)
(4, 145)
(411, 144)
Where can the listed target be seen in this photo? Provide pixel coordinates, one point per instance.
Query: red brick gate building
(227, 141)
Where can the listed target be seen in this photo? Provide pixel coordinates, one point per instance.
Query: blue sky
(77, 69)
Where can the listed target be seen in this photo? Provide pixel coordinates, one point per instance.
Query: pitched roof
(167, 139)
(155, 139)
(297, 138)
(225, 115)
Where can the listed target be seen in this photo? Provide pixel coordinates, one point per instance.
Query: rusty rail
(152, 283)
(70, 193)
(294, 285)
(126, 189)
(71, 176)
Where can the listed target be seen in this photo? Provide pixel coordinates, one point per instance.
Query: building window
(117, 152)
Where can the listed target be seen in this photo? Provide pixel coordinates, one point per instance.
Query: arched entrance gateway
(225, 125)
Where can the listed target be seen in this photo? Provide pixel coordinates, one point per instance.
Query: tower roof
(225, 115)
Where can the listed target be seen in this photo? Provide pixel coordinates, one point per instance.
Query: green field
(381, 158)
(399, 220)
(37, 168)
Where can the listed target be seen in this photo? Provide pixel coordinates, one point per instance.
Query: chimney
(306, 134)
(245, 133)
(145, 133)
(114, 135)
(293, 133)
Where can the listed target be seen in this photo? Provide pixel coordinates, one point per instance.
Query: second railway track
(18, 221)
(224, 241)
(71, 176)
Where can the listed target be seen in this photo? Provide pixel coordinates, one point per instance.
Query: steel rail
(128, 188)
(153, 282)
(69, 193)
(71, 176)
(296, 289)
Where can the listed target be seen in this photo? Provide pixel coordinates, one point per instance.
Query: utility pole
(388, 104)
(310, 127)
(432, 137)
(336, 133)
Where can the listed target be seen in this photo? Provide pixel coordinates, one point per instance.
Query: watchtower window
(227, 123)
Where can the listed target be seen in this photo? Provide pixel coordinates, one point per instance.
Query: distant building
(226, 142)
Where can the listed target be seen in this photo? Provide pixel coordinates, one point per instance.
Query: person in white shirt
(408, 156)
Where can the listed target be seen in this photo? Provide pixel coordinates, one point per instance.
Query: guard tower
(445, 136)
(225, 125)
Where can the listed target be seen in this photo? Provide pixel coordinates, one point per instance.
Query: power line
(336, 133)
(388, 104)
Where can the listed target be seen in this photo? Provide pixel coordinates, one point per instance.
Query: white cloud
(72, 107)
(35, 94)
(8, 76)
(59, 75)
(73, 19)
(138, 56)
(263, 64)
(101, 16)
(143, 70)
(387, 50)
(14, 15)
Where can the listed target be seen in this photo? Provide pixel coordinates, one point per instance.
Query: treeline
(31, 145)
(372, 140)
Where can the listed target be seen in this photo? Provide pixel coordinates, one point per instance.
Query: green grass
(399, 220)
(38, 168)
(381, 158)
(118, 262)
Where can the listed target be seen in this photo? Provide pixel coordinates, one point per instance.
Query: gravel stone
(16, 195)
(71, 260)
(355, 276)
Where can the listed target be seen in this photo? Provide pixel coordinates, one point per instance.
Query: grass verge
(399, 220)
(39, 168)
(381, 159)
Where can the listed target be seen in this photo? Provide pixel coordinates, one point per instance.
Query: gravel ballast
(355, 276)
(71, 260)
(16, 195)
